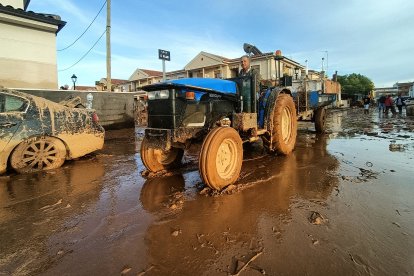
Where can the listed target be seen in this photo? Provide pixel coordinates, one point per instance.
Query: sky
(369, 37)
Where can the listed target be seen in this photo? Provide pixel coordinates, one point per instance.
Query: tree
(354, 84)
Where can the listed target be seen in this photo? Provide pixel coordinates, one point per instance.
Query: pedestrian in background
(367, 102)
(389, 105)
(399, 102)
(381, 104)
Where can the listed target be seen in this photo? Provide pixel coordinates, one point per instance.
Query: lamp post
(327, 62)
(296, 72)
(74, 79)
(323, 61)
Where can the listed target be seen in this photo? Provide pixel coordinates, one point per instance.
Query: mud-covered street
(341, 204)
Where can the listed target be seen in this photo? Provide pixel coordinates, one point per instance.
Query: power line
(85, 30)
(84, 54)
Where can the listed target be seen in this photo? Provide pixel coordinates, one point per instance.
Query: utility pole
(306, 68)
(108, 46)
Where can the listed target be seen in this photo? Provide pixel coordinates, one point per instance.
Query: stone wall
(115, 110)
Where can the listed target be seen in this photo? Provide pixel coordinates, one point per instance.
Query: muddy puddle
(341, 204)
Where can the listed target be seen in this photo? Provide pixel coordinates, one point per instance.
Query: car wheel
(157, 160)
(41, 153)
(320, 119)
(221, 158)
(283, 126)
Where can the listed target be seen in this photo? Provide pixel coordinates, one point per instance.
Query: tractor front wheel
(157, 160)
(221, 158)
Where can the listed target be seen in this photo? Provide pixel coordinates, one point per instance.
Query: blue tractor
(220, 114)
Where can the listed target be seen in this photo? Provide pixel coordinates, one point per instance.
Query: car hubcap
(39, 155)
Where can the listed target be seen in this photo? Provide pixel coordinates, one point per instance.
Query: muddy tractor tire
(37, 154)
(283, 126)
(158, 191)
(320, 120)
(221, 158)
(157, 160)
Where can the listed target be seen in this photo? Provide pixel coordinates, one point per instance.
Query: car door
(12, 110)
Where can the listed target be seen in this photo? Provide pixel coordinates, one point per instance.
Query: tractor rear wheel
(320, 120)
(283, 126)
(221, 158)
(157, 160)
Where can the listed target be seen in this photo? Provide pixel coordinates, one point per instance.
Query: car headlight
(156, 95)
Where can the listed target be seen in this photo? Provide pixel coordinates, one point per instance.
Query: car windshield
(9, 103)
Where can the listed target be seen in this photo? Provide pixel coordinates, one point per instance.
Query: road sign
(163, 54)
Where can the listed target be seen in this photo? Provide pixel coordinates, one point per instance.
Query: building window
(234, 72)
(217, 74)
(256, 68)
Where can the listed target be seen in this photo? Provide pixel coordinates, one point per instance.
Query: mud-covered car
(37, 134)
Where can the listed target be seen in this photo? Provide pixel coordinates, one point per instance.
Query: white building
(28, 56)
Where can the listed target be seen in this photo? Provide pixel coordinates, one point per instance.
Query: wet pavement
(341, 204)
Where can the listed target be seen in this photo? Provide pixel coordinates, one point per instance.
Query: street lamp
(74, 79)
(327, 61)
(296, 72)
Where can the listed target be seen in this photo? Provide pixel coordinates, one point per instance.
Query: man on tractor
(247, 71)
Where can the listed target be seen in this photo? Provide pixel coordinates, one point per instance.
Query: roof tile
(41, 17)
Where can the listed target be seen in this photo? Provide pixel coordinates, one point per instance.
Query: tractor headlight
(151, 95)
(157, 95)
(164, 94)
